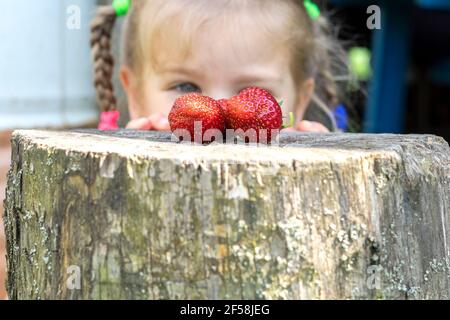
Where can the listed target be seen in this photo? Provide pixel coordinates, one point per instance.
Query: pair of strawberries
(253, 114)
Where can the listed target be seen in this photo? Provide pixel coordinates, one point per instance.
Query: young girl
(217, 48)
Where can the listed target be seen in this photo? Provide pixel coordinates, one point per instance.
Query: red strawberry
(194, 107)
(224, 105)
(254, 108)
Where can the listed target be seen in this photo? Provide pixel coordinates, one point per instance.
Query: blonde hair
(154, 26)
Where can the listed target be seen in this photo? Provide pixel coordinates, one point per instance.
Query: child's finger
(311, 126)
(140, 124)
(160, 123)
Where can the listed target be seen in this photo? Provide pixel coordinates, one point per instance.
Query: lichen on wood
(335, 216)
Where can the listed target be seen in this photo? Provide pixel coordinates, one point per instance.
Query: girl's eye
(187, 87)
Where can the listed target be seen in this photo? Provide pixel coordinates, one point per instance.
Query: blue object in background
(434, 4)
(385, 111)
(341, 116)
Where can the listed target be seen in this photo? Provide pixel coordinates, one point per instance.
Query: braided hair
(101, 32)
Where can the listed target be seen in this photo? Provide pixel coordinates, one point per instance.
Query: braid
(101, 31)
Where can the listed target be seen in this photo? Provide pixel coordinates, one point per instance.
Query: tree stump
(132, 215)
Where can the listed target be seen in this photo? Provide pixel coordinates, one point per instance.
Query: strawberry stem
(291, 121)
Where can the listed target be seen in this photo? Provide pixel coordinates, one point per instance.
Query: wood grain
(336, 216)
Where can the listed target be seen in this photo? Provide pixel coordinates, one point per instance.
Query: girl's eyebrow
(257, 77)
(243, 78)
(180, 70)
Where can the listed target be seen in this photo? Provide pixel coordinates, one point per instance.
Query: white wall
(45, 68)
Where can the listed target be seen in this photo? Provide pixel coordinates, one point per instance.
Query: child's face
(219, 68)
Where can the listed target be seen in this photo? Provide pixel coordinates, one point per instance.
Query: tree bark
(335, 216)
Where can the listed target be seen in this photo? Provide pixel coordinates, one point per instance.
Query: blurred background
(401, 70)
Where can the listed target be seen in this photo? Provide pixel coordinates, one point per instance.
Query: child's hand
(309, 126)
(154, 122)
(159, 123)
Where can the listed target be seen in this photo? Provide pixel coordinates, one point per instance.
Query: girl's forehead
(218, 47)
(241, 38)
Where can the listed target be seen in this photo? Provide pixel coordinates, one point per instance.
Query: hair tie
(121, 6)
(312, 9)
(108, 120)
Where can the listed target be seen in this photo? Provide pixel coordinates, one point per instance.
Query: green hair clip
(121, 6)
(312, 9)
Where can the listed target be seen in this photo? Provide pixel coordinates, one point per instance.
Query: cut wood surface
(132, 215)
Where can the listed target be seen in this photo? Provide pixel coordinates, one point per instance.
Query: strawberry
(194, 107)
(224, 105)
(254, 108)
